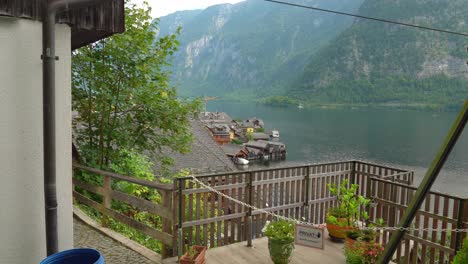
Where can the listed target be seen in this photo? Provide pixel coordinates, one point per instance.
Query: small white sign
(309, 236)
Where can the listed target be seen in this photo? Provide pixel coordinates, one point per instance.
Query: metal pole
(49, 11)
(426, 184)
(48, 110)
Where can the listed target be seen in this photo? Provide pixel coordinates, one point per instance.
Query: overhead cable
(369, 18)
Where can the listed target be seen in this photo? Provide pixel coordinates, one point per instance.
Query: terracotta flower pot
(199, 259)
(338, 231)
(280, 250)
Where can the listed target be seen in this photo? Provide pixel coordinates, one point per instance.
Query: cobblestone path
(114, 252)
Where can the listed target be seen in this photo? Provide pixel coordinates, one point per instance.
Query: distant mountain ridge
(373, 62)
(253, 47)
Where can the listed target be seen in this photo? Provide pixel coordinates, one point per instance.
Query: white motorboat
(275, 134)
(241, 161)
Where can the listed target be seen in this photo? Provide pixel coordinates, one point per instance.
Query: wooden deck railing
(296, 192)
(195, 215)
(439, 211)
(164, 210)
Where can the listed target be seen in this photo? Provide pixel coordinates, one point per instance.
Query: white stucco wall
(22, 228)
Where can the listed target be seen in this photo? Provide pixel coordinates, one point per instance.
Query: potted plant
(194, 255)
(365, 236)
(280, 240)
(348, 211)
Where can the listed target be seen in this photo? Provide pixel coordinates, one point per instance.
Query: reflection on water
(403, 138)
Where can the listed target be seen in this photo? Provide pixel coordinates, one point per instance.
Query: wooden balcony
(239, 253)
(195, 215)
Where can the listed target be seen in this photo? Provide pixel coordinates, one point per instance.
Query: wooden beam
(143, 204)
(88, 186)
(158, 186)
(85, 200)
(425, 213)
(213, 219)
(426, 183)
(143, 228)
(218, 188)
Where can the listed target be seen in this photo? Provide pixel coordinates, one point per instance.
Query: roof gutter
(49, 10)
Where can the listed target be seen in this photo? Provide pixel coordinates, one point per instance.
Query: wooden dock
(239, 253)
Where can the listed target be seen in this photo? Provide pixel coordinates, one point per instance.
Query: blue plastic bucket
(75, 256)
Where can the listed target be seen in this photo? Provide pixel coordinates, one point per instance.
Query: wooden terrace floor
(239, 253)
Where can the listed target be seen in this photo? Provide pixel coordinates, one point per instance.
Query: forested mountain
(372, 62)
(253, 48)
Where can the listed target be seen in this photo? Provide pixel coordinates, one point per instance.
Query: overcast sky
(165, 7)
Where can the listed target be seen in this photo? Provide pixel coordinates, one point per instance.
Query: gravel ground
(113, 251)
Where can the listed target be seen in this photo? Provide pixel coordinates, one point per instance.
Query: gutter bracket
(47, 57)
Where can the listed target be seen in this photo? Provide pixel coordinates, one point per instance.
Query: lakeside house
(215, 117)
(256, 143)
(267, 150)
(235, 151)
(246, 127)
(260, 136)
(257, 122)
(221, 133)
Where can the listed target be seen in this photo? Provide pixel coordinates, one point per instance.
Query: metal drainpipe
(49, 11)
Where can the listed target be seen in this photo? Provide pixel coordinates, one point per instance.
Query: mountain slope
(371, 62)
(253, 48)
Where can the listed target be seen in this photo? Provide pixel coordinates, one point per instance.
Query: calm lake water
(402, 138)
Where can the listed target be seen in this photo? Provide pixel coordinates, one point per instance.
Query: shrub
(462, 255)
(348, 203)
(236, 141)
(280, 229)
(363, 253)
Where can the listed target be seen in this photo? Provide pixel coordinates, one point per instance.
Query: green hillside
(251, 49)
(375, 63)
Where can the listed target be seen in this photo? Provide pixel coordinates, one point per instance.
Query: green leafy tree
(122, 95)
(138, 166)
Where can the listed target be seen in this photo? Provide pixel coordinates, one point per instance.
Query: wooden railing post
(175, 223)
(307, 193)
(392, 210)
(249, 213)
(180, 232)
(166, 223)
(462, 219)
(106, 200)
(353, 172)
(369, 196)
